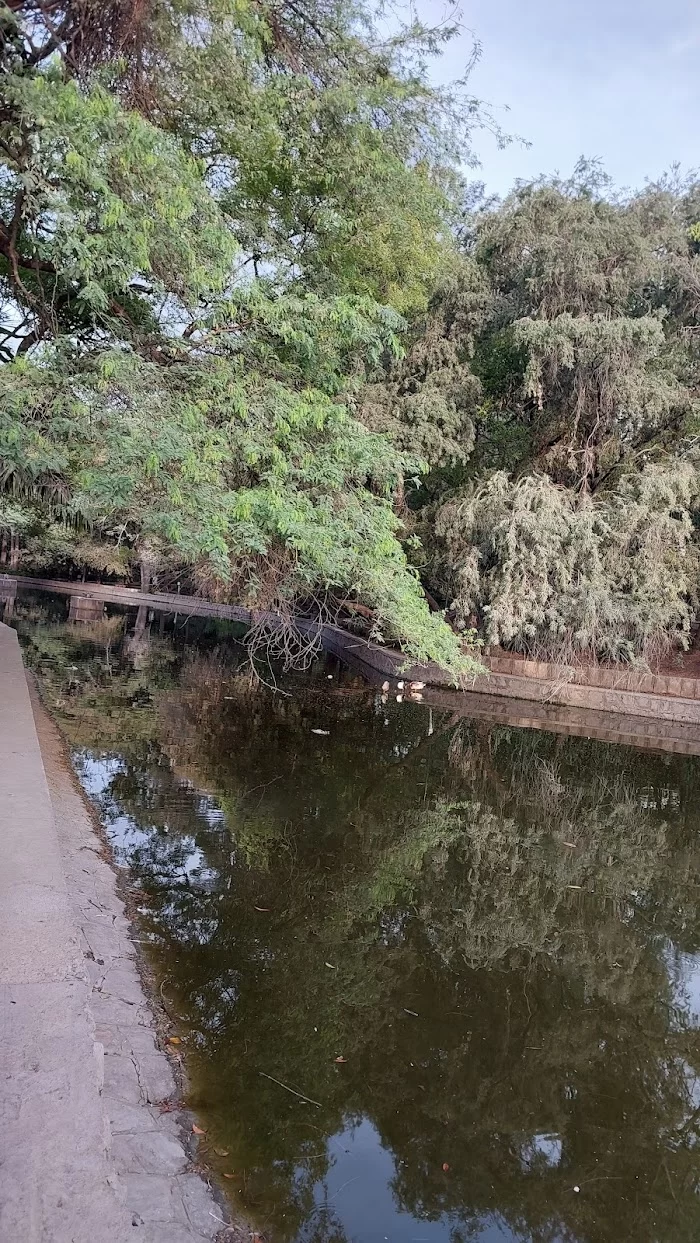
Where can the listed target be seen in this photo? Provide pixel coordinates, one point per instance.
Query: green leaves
(213, 217)
(562, 576)
(268, 500)
(105, 198)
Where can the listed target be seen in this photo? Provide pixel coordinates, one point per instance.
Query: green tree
(570, 526)
(212, 216)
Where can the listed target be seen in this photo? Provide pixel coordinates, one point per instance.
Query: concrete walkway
(84, 1155)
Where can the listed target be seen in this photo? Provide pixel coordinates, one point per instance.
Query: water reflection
(438, 979)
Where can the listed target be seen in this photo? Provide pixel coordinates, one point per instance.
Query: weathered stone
(135, 1119)
(203, 1214)
(155, 1198)
(154, 1232)
(121, 1079)
(111, 1012)
(120, 980)
(156, 1077)
(54, 1171)
(130, 1119)
(150, 1152)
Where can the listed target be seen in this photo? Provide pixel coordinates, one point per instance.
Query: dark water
(474, 950)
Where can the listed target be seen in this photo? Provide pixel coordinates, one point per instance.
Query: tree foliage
(257, 334)
(543, 568)
(213, 214)
(564, 518)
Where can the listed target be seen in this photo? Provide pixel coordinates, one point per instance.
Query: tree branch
(8, 248)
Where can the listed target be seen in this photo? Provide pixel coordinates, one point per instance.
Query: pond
(436, 980)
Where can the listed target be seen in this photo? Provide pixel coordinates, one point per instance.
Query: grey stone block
(121, 1080)
(154, 1232)
(156, 1077)
(202, 1210)
(155, 1198)
(149, 1152)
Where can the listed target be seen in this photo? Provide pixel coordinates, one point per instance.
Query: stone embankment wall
(629, 691)
(613, 689)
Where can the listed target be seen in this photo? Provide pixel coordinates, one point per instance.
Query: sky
(614, 79)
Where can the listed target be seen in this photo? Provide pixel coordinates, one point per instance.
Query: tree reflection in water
(497, 930)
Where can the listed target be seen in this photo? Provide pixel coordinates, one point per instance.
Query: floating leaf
(198, 1130)
(221, 1152)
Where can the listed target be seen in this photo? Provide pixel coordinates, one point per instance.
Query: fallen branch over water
(292, 1090)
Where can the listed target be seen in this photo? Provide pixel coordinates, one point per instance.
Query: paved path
(84, 1155)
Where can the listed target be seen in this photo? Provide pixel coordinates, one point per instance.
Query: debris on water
(577, 1188)
(445, 1166)
(341, 1059)
(332, 966)
(168, 1107)
(198, 1130)
(323, 732)
(574, 886)
(412, 1012)
(262, 908)
(571, 845)
(386, 686)
(287, 1088)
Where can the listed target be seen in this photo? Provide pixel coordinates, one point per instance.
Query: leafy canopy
(552, 396)
(213, 215)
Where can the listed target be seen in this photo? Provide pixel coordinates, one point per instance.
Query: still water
(436, 980)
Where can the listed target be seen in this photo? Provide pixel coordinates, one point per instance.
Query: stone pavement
(86, 1155)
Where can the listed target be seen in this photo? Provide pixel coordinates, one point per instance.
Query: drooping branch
(17, 260)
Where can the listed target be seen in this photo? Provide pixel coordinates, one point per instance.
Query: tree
(569, 524)
(546, 569)
(212, 215)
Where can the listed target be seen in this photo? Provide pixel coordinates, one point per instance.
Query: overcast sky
(618, 79)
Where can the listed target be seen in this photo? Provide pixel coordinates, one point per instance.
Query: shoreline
(669, 696)
(97, 1143)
